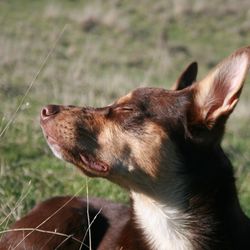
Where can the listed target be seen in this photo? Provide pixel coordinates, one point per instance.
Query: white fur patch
(131, 168)
(56, 150)
(162, 226)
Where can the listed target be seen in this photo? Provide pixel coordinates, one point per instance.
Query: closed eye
(124, 109)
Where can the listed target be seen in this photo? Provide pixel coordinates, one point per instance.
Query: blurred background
(107, 48)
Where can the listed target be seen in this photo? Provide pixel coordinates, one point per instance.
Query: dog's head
(133, 140)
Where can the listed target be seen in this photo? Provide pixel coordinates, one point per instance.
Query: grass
(108, 48)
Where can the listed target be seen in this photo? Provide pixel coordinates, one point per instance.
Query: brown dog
(164, 147)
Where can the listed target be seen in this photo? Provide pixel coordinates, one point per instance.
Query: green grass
(108, 48)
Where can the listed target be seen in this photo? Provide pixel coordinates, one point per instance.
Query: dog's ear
(187, 77)
(216, 96)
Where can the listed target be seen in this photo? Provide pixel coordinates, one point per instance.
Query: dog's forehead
(142, 95)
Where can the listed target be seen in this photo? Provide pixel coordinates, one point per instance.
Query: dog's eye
(124, 109)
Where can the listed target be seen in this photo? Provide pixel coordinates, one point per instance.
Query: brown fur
(67, 215)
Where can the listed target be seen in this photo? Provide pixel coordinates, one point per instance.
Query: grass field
(107, 48)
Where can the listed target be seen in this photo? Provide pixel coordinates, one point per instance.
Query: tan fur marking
(125, 98)
(142, 150)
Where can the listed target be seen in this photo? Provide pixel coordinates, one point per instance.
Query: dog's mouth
(81, 159)
(95, 165)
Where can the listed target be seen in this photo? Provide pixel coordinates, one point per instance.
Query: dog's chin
(56, 149)
(86, 163)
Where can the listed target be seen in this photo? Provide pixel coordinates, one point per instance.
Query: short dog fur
(164, 147)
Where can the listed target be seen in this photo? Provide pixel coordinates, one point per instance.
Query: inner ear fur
(187, 77)
(216, 96)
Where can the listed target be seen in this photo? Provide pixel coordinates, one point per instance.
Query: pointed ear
(187, 77)
(216, 96)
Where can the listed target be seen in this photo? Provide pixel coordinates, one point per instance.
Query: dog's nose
(49, 111)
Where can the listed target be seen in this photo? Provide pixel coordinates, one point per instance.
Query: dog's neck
(199, 216)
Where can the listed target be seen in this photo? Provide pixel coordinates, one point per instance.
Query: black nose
(49, 111)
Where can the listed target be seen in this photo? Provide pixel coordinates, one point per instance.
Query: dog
(164, 146)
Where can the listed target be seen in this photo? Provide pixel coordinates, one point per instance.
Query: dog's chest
(160, 225)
